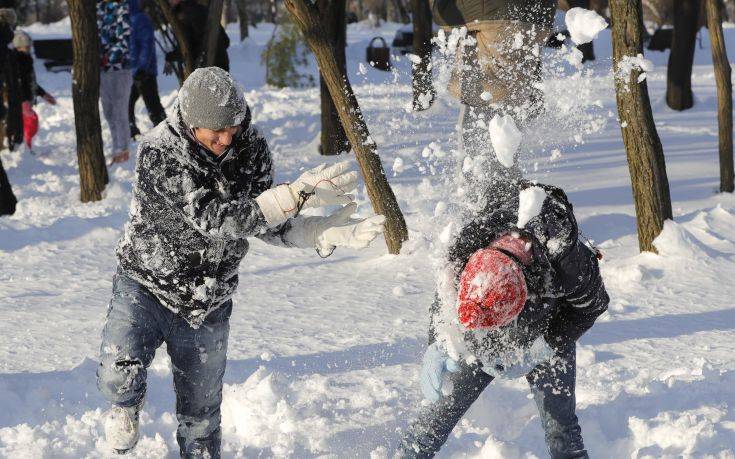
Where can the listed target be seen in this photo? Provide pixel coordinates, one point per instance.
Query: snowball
(530, 202)
(505, 137)
(398, 166)
(416, 60)
(584, 25)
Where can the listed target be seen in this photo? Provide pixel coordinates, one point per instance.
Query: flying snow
(584, 25)
(530, 202)
(505, 137)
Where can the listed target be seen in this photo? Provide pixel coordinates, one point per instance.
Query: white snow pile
(505, 137)
(530, 202)
(584, 25)
(263, 413)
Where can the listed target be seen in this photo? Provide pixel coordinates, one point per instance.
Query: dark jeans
(137, 324)
(552, 385)
(145, 85)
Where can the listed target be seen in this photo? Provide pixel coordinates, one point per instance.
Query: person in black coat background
(7, 23)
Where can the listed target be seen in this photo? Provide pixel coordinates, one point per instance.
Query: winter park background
(323, 354)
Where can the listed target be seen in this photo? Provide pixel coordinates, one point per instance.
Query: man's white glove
(321, 186)
(336, 230)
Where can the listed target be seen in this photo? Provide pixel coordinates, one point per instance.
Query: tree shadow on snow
(668, 326)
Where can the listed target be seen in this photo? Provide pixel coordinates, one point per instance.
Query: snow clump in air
(584, 25)
(530, 202)
(506, 138)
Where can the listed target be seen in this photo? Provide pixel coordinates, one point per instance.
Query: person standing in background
(29, 88)
(7, 23)
(143, 61)
(113, 24)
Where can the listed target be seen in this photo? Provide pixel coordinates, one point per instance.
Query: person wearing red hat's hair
(524, 297)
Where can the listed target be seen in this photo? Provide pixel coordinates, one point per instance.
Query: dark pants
(145, 84)
(552, 385)
(137, 324)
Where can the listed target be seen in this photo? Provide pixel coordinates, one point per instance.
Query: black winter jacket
(191, 215)
(29, 88)
(456, 13)
(566, 293)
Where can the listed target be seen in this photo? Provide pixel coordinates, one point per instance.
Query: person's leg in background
(430, 430)
(553, 385)
(115, 91)
(198, 357)
(134, 95)
(148, 87)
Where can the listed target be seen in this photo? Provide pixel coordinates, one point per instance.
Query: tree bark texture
(423, 87)
(642, 144)
(242, 17)
(183, 43)
(724, 93)
(381, 195)
(333, 138)
(213, 25)
(85, 95)
(679, 72)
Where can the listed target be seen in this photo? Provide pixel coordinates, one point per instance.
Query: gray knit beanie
(211, 99)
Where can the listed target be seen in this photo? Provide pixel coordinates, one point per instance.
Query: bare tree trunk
(242, 17)
(183, 43)
(381, 195)
(679, 73)
(423, 88)
(85, 94)
(213, 18)
(724, 93)
(333, 138)
(642, 144)
(399, 12)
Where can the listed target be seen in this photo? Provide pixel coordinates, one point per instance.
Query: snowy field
(323, 354)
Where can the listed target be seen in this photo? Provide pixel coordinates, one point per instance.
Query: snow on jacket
(113, 26)
(143, 41)
(191, 215)
(566, 293)
(455, 13)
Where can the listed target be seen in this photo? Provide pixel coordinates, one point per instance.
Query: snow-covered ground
(323, 354)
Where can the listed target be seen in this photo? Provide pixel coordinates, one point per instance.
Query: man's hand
(336, 230)
(321, 186)
(49, 99)
(436, 364)
(340, 230)
(326, 186)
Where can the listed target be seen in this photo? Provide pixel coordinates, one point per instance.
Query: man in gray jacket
(204, 184)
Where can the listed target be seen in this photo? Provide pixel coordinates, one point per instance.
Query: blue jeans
(137, 324)
(552, 386)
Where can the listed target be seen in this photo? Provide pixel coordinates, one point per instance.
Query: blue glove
(521, 362)
(435, 364)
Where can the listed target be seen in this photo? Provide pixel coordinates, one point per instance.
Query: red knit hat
(492, 287)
